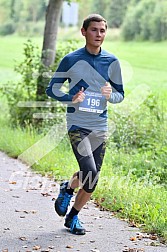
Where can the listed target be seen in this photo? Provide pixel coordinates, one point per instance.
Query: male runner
(94, 77)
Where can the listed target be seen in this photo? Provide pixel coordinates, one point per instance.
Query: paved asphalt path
(29, 223)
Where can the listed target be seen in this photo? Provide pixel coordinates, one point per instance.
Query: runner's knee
(89, 179)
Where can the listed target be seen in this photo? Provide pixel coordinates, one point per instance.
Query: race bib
(93, 102)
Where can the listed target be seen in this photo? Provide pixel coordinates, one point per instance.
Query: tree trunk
(49, 44)
(50, 34)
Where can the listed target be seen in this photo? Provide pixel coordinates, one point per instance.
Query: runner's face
(95, 34)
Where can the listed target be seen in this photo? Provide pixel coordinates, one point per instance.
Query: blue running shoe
(74, 225)
(63, 200)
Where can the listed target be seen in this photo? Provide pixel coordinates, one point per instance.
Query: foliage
(19, 15)
(23, 10)
(100, 7)
(7, 28)
(146, 21)
(115, 12)
(25, 89)
(143, 136)
(135, 130)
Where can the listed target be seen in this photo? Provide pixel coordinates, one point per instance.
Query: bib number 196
(92, 103)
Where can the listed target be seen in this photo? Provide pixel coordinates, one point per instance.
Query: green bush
(143, 136)
(7, 28)
(146, 21)
(158, 22)
(136, 130)
(25, 90)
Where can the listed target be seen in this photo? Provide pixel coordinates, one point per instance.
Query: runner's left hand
(106, 90)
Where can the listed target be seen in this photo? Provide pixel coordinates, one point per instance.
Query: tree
(100, 7)
(116, 11)
(53, 13)
(146, 21)
(50, 34)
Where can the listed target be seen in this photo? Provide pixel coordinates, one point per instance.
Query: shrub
(158, 22)
(145, 21)
(7, 28)
(25, 89)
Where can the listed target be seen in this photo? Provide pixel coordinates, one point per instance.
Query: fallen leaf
(23, 238)
(12, 182)
(139, 236)
(133, 238)
(128, 250)
(133, 224)
(25, 246)
(153, 237)
(154, 244)
(46, 194)
(34, 211)
(26, 212)
(36, 247)
(69, 246)
(133, 250)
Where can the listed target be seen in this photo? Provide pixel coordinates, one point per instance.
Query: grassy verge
(140, 199)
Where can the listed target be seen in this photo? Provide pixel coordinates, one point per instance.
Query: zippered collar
(91, 54)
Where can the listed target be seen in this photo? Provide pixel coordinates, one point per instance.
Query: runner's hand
(79, 97)
(106, 90)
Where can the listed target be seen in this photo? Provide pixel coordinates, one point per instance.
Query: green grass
(148, 62)
(11, 53)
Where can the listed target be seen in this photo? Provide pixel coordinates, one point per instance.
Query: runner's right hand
(79, 97)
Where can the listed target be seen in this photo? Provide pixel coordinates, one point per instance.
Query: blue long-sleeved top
(91, 72)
